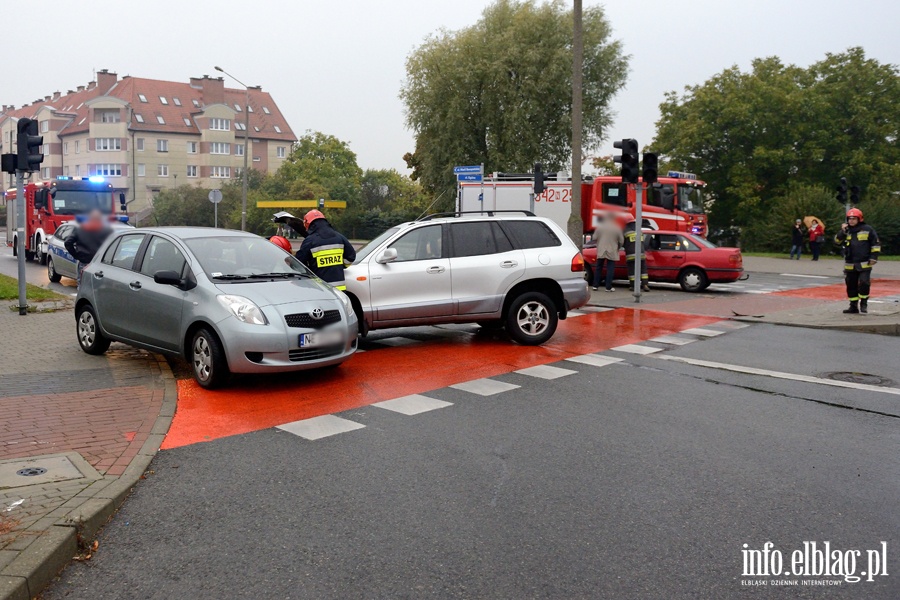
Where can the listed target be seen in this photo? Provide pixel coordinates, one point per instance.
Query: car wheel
(90, 338)
(39, 252)
(693, 279)
(208, 360)
(52, 275)
(532, 319)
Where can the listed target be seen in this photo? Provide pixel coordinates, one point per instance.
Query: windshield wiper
(277, 275)
(230, 277)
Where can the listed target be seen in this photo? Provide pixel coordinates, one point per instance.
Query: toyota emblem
(317, 313)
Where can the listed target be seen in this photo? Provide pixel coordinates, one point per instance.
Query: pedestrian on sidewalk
(797, 239)
(634, 244)
(861, 248)
(816, 238)
(87, 239)
(609, 239)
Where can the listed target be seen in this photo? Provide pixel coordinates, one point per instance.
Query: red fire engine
(49, 203)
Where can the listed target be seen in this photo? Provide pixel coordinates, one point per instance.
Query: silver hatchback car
(512, 270)
(226, 301)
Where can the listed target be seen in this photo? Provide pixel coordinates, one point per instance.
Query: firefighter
(325, 251)
(631, 237)
(861, 247)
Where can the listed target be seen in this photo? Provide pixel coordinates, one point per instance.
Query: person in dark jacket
(631, 248)
(325, 251)
(797, 239)
(87, 239)
(861, 249)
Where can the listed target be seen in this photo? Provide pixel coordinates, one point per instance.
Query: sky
(338, 66)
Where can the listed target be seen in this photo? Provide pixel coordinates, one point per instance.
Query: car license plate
(321, 338)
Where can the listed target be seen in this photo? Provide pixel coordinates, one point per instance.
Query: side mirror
(40, 199)
(167, 278)
(387, 256)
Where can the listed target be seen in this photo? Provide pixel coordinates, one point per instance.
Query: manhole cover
(31, 471)
(854, 377)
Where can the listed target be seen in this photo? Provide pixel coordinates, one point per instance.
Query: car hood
(273, 293)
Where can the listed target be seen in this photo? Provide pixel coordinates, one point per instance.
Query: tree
(321, 165)
(190, 206)
(750, 135)
(498, 92)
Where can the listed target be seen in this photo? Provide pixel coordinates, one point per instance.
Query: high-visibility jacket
(325, 252)
(860, 244)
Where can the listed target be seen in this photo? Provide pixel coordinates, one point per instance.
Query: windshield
(76, 202)
(370, 247)
(240, 257)
(690, 199)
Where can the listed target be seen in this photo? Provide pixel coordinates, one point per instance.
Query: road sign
(469, 177)
(215, 196)
(470, 169)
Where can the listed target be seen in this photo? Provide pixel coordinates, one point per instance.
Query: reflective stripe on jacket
(860, 245)
(325, 251)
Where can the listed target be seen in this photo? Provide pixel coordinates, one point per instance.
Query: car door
(483, 266)
(111, 279)
(665, 256)
(63, 262)
(160, 306)
(415, 285)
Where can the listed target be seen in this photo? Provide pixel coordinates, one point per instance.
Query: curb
(34, 568)
(876, 328)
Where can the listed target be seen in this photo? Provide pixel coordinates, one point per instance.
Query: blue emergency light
(98, 179)
(681, 175)
(63, 178)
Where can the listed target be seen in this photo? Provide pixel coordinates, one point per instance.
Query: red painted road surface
(255, 403)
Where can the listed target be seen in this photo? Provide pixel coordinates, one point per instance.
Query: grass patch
(807, 255)
(9, 290)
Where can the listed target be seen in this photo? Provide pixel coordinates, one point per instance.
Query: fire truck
(50, 203)
(675, 203)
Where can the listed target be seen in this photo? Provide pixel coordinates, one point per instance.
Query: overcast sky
(338, 66)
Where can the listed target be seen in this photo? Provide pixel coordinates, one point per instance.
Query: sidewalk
(76, 433)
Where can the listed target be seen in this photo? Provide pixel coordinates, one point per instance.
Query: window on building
(192, 147)
(45, 149)
(66, 171)
(142, 98)
(138, 117)
(162, 145)
(108, 115)
(139, 144)
(192, 170)
(65, 147)
(45, 173)
(160, 120)
(107, 144)
(249, 108)
(277, 129)
(77, 147)
(163, 100)
(220, 148)
(196, 103)
(238, 149)
(220, 172)
(237, 107)
(187, 122)
(240, 126)
(141, 170)
(162, 170)
(280, 152)
(256, 128)
(108, 170)
(266, 110)
(45, 126)
(220, 124)
(81, 122)
(176, 101)
(256, 159)
(77, 170)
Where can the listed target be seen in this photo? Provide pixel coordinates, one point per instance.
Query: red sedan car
(679, 257)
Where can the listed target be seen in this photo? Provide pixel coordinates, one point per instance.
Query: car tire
(52, 275)
(208, 362)
(693, 279)
(91, 340)
(39, 252)
(532, 319)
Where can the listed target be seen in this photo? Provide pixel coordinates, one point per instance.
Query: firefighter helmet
(312, 216)
(855, 212)
(281, 242)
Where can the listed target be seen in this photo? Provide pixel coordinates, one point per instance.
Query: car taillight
(577, 263)
(735, 258)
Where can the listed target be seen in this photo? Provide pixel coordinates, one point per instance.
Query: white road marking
(701, 331)
(782, 375)
(732, 324)
(636, 349)
(484, 387)
(807, 276)
(595, 360)
(575, 313)
(546, 372)
(319, 427)
(396, 341)
(672, 339)
(412, 404)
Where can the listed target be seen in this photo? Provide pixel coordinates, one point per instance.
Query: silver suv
(512, 270)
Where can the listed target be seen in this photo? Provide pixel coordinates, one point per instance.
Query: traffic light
(28, 144)
(842, 191)
(651, 168)
(628, 159)
(538, 179)
(854, 194)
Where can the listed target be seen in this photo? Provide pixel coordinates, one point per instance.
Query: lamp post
(246, 148)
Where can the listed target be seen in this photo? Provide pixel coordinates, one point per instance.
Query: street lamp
(246, 148)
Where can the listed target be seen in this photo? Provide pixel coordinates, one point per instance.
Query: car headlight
(345, 299)
(243, 309)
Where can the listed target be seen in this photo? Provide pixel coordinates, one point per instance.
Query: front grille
(307, 321)
(315, 353)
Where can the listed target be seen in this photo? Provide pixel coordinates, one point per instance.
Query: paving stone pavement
(104, 416)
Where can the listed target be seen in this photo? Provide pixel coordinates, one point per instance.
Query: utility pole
(576, 226)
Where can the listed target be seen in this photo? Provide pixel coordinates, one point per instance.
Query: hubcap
(202, 358)
(50, 268)
(692, 280)
(86, 329)
(533, 318)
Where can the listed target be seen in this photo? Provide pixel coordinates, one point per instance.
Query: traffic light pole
(20, 238)
(638, 240)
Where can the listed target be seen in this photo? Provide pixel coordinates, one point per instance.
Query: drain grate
(31, 471)
(855, 377)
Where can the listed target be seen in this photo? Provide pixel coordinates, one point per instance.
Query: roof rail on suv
(489, 213)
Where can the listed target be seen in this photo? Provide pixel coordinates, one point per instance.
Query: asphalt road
(34, 273)
(640, 479)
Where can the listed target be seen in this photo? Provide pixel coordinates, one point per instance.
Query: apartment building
(147, 135)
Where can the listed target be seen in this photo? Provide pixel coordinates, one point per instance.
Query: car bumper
(575, 293)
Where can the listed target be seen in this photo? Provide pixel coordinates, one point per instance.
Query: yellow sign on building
(300, 204)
